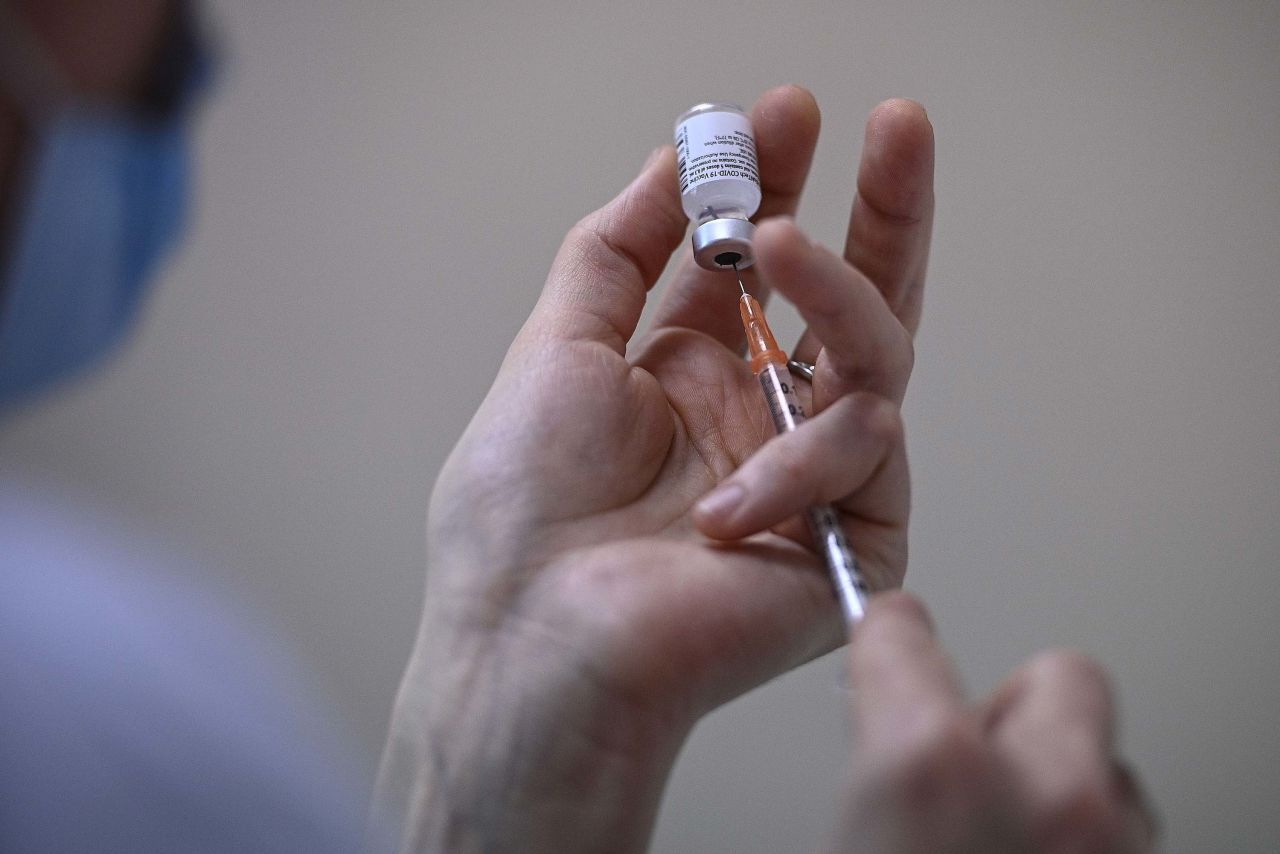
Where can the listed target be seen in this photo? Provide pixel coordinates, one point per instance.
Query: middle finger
(864, 347)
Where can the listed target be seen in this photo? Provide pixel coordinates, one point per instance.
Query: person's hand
(583, 609)
(1030, 769)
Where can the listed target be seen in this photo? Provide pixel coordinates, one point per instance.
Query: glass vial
(719, 183)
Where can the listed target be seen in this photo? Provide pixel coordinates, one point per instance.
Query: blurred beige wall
(1094, 420)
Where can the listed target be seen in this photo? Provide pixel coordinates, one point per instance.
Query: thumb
(609, 260)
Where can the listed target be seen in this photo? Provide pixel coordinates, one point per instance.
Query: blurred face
(101, 50)
(8, 148)
(93, 97)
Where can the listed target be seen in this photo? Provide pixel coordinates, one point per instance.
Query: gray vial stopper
(719, 244)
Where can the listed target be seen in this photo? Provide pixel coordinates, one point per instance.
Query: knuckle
(946, 767)
(877, 417)
(899, 605)
(1072, 667)
(906, 356)
(598, 250)
(788, 464)
(583, 236)
(1087, 817)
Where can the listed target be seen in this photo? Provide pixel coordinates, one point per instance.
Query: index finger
(903, 681)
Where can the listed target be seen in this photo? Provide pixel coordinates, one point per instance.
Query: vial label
(715, 146)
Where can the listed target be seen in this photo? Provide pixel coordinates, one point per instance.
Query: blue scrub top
(140, 713)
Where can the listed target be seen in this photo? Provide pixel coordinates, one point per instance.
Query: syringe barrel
(842, 564)
(780, 394)
(770, 366)
(824, 522)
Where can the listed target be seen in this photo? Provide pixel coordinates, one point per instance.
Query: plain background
(1093, 422)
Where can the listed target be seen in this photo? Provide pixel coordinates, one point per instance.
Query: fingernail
(722, 501)
(653, 157)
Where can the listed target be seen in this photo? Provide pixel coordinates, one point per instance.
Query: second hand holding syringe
(769, 364)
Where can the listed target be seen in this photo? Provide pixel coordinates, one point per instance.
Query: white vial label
(716, 162)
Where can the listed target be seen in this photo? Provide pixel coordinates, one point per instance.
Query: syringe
(769, 364)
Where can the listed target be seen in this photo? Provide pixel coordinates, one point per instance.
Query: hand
(1031, 769)
(576, 622)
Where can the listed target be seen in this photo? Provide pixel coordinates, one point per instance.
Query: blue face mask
(102, 194)
(105, 199)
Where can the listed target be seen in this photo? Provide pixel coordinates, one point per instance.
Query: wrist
(505, 742)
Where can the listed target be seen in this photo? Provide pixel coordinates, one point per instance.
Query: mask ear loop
(28, 71)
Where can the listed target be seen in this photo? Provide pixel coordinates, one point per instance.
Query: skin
(614, 549)
(1029, 769)
(582, 609)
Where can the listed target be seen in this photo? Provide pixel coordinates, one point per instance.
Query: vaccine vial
(719, 183)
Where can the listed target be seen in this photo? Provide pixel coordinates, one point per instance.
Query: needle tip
(737, 273)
